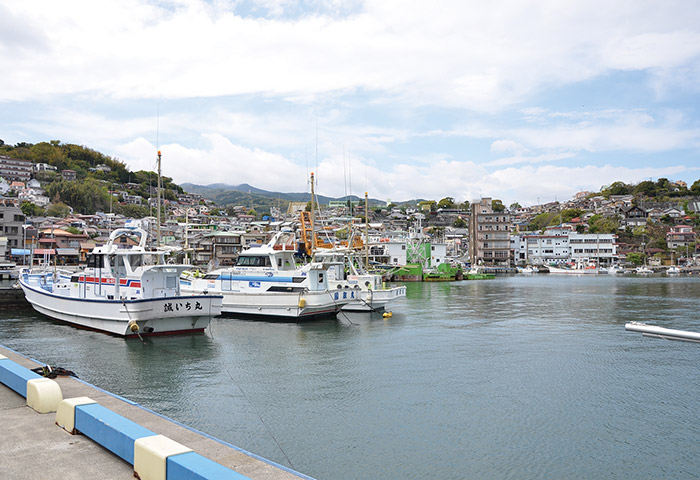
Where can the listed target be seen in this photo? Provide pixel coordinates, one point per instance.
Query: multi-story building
(680, 236)
(489, 235)
(12, 222)
(536, 249)
(561, 245)
(14, 169)
(598, 247)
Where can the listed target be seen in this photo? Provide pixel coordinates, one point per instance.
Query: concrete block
(16, 376)
(114, 432)
(65, 412)
(150, 455)
(43, 394)
(193, 466)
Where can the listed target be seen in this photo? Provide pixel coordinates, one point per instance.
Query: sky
(522, 101)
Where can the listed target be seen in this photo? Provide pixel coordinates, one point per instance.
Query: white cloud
(453, 53)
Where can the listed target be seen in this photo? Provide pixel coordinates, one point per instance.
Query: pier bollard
(43, 395)
(65, 412)
(151, 455)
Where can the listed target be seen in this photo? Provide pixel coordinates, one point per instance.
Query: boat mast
(158, 206)
(366, 233)
(313, 231)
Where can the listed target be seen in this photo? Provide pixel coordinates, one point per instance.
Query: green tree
(636, 258)
(543, 220)
(31, 210)
(600, 224)
(647, 187)
(569, 214)
(514, 206)
(695, 188)
(459, 223)
(58, 210)
(447, 202)
(497, 206)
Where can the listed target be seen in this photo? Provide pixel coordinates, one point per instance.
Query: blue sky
(520, 101)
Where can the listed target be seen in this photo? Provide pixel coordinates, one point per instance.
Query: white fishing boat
(673, 270)
(267, 282)
(347, 276)
(125, 290)
(612, 269)
(579, 268)
(643, 270)
(528, 269)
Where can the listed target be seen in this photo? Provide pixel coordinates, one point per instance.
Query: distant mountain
(224, 194)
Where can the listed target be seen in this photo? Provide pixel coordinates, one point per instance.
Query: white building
(563, 245)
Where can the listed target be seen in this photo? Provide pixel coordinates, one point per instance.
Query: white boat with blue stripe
(124, 290)
(266, 281)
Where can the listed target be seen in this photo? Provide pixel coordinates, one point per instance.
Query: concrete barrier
(154, 457)
(114, 432)
(42, 394)
(16, 376)
(193, 466)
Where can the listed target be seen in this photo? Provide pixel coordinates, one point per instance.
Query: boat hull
(158, 316)
(375, 300)
(574, 271)
(293, 305)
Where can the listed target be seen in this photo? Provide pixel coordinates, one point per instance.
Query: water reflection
(515, 377)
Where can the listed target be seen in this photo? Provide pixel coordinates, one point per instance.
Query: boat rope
(340, 310)
(371, 308)
(52, 372)
(133, 326)
(269, 431)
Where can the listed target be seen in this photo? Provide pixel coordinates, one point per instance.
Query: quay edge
(34, 446)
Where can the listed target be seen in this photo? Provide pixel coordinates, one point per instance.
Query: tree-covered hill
(91, 192)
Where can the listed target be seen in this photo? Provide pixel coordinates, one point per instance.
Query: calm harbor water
(518, 377)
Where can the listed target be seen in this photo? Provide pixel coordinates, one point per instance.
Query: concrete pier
(12, 296)
(34, 447)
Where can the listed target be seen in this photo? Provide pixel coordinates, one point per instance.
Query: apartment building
(489, 235)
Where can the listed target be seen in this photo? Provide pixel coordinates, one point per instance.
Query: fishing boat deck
(34, 447)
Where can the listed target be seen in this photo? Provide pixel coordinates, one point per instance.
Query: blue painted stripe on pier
(114, 432)
(16, 376)
(193, 466)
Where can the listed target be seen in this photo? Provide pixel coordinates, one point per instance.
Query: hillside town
(481, 232)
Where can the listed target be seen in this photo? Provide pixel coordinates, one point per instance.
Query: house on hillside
(680, 236)
(633, 216)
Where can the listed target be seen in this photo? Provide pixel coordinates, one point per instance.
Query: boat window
(93, 261)
(211, 276)
(253, 261)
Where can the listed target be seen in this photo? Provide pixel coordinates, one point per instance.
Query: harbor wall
(149, 445)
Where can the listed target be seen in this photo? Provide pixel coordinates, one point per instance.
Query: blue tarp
(20, 251)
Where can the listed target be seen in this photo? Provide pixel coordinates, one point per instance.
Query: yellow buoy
(302, 303)
(387, 314)
(134, 327)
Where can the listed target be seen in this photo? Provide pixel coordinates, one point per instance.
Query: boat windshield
(253, 261)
